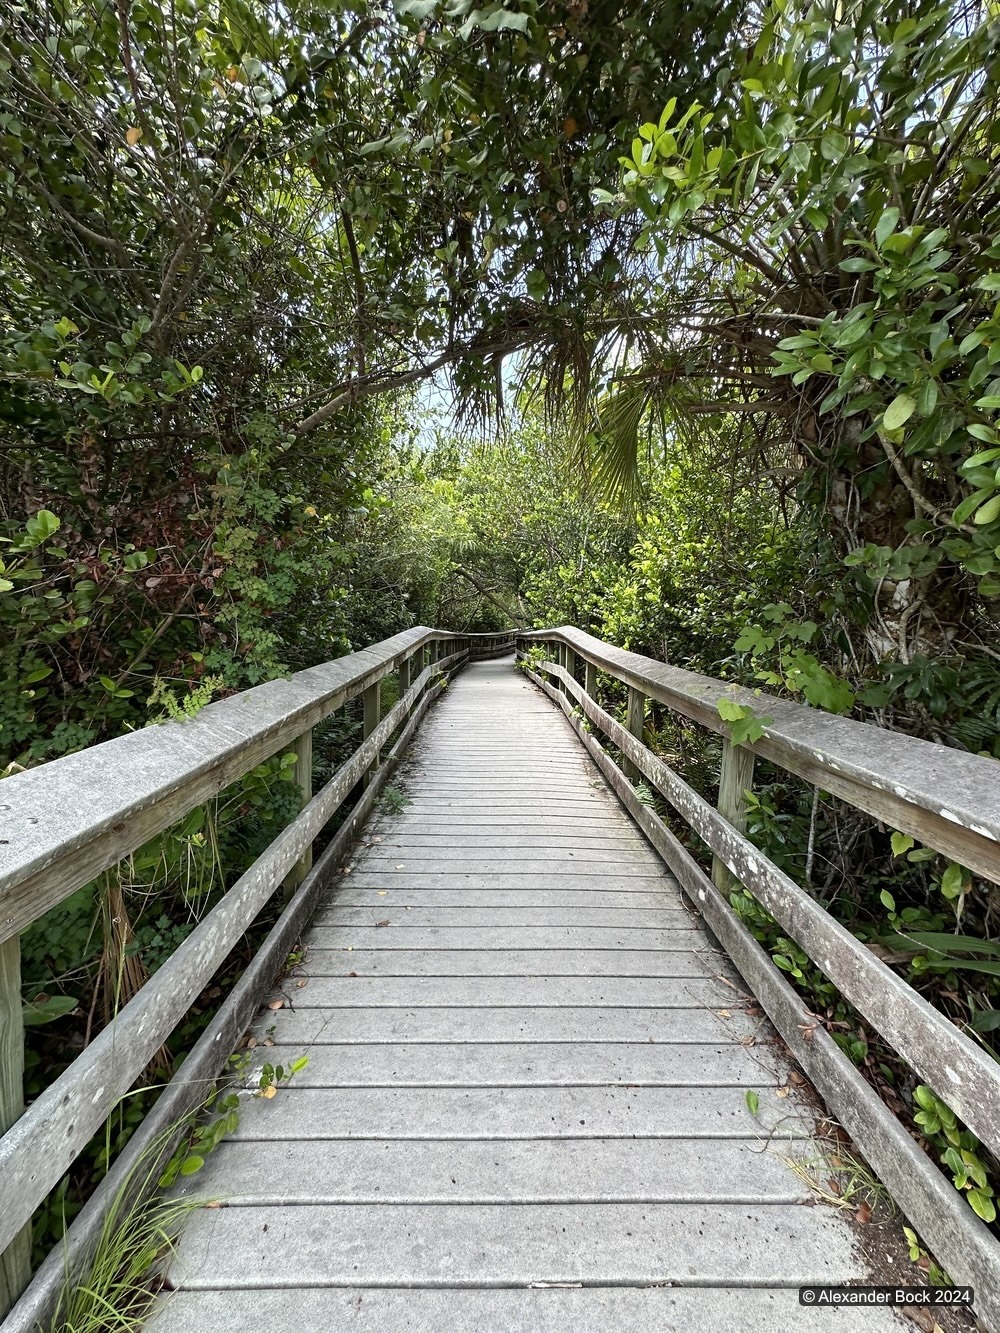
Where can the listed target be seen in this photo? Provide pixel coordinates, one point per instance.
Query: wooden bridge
(553, 1079)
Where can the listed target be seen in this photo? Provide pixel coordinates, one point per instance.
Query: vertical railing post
(735, 780)
(372, 699)
(15, 1261)
(634, 719)
(590, 679)
(303, 748)
(405, 675)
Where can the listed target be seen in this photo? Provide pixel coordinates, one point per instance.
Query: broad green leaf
(899, 411)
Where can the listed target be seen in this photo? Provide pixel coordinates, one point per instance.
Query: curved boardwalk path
(525, 1104)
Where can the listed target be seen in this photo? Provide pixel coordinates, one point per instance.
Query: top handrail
(64, 822)
(946, 798)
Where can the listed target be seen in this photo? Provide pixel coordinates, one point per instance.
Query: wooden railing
(492, 645)
(947, 800)
(65, 822)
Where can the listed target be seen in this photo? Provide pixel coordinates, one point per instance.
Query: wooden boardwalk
(525, 1104)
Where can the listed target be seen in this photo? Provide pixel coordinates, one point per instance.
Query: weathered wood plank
(564, 1170)
(428, 1310)
(514, 1245)
(552, 939)
(535, 1065)
(505, 1114)
(517, 992)
(514, 962)
(698, 1026)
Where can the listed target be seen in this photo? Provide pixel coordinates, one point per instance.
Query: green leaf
(888, 901)
(885, 226)
(901, 842)
(47, 1008)
(752, 1101)
(899, 411)
(952, 880)
(729, 710)
(982, 1204)
(988, 512)
(192, 1164)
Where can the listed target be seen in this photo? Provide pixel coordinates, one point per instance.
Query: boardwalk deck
(525, 1104)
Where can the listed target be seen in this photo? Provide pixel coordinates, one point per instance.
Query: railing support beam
(15, 1260)
(303, 748)
(372, 698)
(735, 780)
(590, 679)
(634, 719)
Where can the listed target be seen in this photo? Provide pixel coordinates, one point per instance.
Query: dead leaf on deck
(352, 974)
(269, 1092)
(781, 1092)
(724, 1013)
(386, 922)
(301, 983)
(276, 1004)
(864, 1213)
(382, 893)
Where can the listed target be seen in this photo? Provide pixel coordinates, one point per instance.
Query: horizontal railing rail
(901, 780)
(499, 644)
(65, 822)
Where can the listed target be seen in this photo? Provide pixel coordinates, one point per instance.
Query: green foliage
(745, 726)
(959, 1151)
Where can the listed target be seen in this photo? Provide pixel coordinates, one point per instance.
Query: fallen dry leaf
(276, 1004)
(781, 1092)
(382, 893)
(301, 983)
(252, 1042)
(132, 136)
(352, 974)
(213, 1203)
(795, 1077)
(386, 922)
(724, 1013)
(269, 1092)
(864, 1213)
